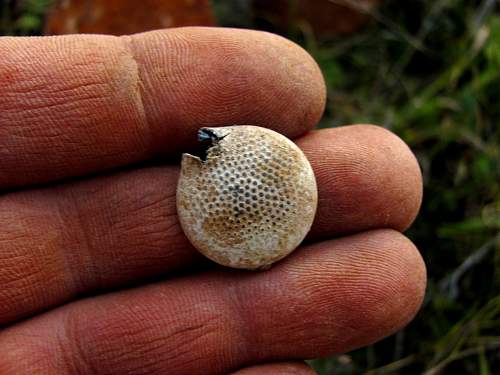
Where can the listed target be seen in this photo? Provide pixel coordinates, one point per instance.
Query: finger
(110, 231)
(327, 298)
(283, 368)
(368, 178)
(77, 104)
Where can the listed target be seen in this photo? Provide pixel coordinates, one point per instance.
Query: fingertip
(367, 178)
(305, 77)
(396, 293)
(363, 288)
(223, 76)
(405, 167)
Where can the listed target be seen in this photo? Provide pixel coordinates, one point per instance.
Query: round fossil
(250, 201)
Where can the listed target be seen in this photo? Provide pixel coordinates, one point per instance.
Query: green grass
(430, 71)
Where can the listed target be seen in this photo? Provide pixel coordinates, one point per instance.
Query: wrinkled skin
(96, 276)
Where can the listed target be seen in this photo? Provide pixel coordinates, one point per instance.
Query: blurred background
(429, 71)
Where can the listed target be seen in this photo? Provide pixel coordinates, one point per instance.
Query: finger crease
(128, 42)
(86, 260)
(72, 352)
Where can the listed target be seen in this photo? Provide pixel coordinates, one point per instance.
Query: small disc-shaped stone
(251, 201)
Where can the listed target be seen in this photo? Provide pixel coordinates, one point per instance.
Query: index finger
(78, 104)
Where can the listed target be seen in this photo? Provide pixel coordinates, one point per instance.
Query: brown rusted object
(324, 17)
(120, 17)
(251, 202)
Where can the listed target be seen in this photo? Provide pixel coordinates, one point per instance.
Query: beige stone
(251, 202)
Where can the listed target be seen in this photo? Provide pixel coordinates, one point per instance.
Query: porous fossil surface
(250, 201)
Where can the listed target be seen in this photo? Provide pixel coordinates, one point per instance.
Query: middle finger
(108, 231)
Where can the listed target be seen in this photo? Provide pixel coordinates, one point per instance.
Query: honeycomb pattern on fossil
(251, 201)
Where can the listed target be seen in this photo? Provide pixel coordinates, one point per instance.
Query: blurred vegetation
(430, 71)
(23, 17)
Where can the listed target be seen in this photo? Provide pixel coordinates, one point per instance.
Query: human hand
(96, 276)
